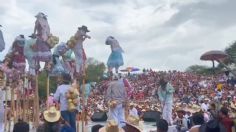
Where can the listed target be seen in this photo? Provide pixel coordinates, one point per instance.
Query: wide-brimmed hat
(134, 121)
(84, 28)
(132, 104)
(52, 115)
(40, 15)
(111, 126)
(32, 36)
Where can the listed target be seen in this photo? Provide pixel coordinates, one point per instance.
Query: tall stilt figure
(17, 53)
(76, 44)
(42, 32)
(2, 42)
(115, 59)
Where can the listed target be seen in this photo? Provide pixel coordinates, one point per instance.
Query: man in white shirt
(204, 105)
(60, 97)
(132, 110)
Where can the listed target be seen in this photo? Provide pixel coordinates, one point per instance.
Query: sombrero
(134, 122)
(111, 126)
(52, 115)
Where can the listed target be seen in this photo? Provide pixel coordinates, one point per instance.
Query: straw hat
(134, 122)
(113, 104)
(52, 115)
(111, 126)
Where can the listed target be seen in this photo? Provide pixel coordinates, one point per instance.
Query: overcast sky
(158, 34)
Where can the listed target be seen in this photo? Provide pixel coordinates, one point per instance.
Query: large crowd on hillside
(193, 93)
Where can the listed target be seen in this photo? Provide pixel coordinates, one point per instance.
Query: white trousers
(167, 112)
(117, 114)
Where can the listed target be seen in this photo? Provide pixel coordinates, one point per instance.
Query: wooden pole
(5, 111)
(36, 102)
(83, 104)
(47, 90)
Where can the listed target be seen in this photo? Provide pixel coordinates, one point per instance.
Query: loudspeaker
(99, 116)
(151, 116)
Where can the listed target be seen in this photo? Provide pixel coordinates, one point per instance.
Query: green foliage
(200, 69)
(231, 51)
(42, 78)
(95, 70)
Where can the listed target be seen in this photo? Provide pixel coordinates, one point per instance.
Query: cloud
(154, 34)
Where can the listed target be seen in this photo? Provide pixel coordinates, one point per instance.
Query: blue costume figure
(115, 59)
(2, 42)
(165, 93)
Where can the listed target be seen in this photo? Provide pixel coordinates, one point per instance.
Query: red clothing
(228, 123)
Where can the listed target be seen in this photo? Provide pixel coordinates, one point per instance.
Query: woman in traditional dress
(115, 59)
(42, 31)
(2, 42)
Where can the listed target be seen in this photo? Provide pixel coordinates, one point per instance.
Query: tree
(231, 51)
(95, 70)
(42, 81)
(200, 69)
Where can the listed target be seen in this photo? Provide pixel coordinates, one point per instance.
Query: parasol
(214, 55)
(130, 69)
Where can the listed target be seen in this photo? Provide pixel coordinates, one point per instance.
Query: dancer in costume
(116, 97)
(29, 52)
(115, 59)
(68, 62)
(165, 93)
(17, 53)
(59, 50)
(76, 43)
(2, 42)
(42, 32)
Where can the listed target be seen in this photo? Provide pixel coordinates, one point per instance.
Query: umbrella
(214, 55)
(130, 69)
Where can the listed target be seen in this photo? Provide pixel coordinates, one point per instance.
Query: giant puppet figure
(42, 32)
(2, 42)
(115, 59)
(29, 53)
(76, 44)
(58, 68)
(165, 93)
(17, 54)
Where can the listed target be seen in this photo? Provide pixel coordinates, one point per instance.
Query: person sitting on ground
(51, 121)
(162, 125)
(96, 128)
(182, 122)
(198, 120)
(225, 120)
(21, 126)
(111, 126)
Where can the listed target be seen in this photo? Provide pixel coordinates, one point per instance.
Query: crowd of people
(193, 93)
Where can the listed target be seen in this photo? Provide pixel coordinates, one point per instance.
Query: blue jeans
(70, 117)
